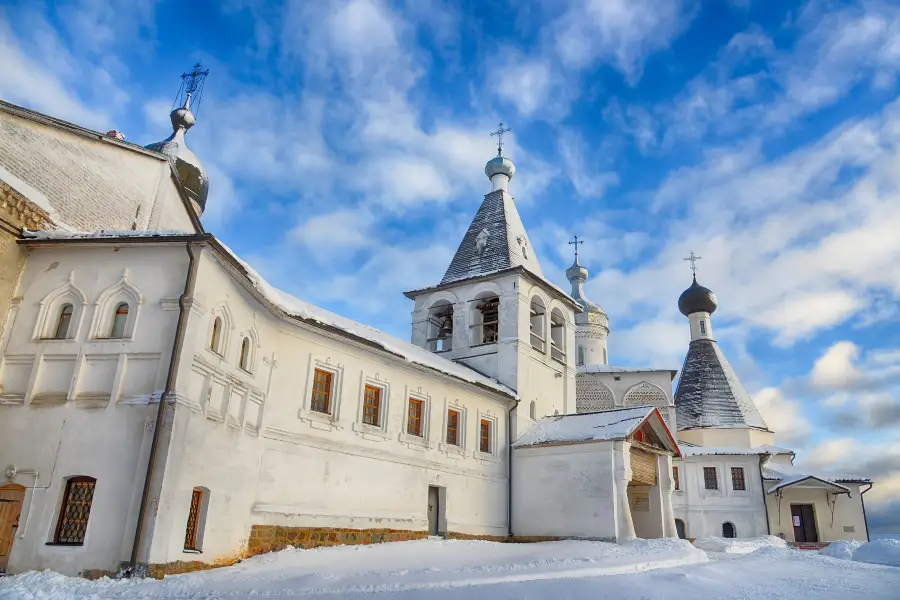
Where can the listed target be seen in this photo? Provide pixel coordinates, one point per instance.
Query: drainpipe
(762, 487)
(163, 400)
(509, 470)
(863, 502)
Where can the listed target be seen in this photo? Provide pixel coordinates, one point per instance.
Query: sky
(346, 141)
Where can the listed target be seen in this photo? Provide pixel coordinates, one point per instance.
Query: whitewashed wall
(737, 437)
(704, 511)
(267, 459)
(565, 491)
(80, 406)
(612, 390)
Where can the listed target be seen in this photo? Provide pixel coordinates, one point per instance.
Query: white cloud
(835, 368)
(783, 416)
(576, 161)
(830, 452)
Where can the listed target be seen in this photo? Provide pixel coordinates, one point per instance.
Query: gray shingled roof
(504, 243)
(709, 392)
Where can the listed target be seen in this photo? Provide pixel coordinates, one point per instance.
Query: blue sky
(346, 142)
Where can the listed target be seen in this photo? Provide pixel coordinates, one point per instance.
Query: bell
(446, 329)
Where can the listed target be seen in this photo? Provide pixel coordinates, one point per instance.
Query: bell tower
(494, 311)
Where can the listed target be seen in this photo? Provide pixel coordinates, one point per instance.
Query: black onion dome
(697, 299)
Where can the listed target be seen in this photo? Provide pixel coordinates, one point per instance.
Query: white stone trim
(104, 310)
(50, 305)
(444, 446)
(380, 430)
(337, 381)
(492, 455)
(423, 440)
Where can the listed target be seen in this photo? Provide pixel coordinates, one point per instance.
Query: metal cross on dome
(576, 242)
(693, 258)
(499, 133)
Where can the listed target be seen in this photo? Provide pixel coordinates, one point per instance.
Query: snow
(843, 549)
(299, 309)
(612, 369)
(585, 427)
(883, 551)
(739, 545)
(475, 570)
(788, 475)
(689, 450)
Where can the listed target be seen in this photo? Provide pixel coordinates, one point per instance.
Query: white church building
(163, 409)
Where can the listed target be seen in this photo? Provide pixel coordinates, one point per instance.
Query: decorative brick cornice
(21, 210)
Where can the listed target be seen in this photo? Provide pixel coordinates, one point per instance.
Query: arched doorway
(728, 530)
(11, 497)
(680, 529)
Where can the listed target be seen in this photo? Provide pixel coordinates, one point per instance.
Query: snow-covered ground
(653, 569)
(739, 545)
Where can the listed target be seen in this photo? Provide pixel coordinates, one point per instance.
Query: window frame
(676, 478)
(62, 515)
(456, 428)
(215, 336)
(191, 532)
(66, 333)
(702, 326)
(558, 323)
(743, 480)
(492, 453)
(328, 391)
(371, 412)
(245, 359)
(715, 473)
(419, 417)
(306, 413)
(485, 436)
(537, 315)
(123, 334)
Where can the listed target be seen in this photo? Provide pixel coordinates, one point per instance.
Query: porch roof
(607, 425)
(789, 476)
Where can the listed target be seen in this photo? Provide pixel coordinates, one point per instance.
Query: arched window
(75, 511)
(728, 530)
(557, 336)
(216, 338)
(538, 314)
(440, 327)
(196, 523)
(486, 328)
(64, 322)
(245, 355)
(119, 318)
(533, 411)
(680, 529)
(580, 355)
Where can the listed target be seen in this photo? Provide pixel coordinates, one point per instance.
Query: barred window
(191, 534)
(321, 393)
(675, 478)
(485, 445)
(75, 511)
(453, 427)
(371, 405)
(414, 418)
(737, 479)
(710, 478)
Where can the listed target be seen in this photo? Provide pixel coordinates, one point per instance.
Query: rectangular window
(485, 445)
(414, 418)
(737, 479)
(75, 511)
(702, 327)
(321, 393)
(371, 405)
(193, 522)
(675, 478)
(453, 427)
(710, 479)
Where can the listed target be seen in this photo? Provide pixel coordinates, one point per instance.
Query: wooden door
(803, 518)
(11, 497)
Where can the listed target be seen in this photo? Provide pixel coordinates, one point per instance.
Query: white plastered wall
(736, 437)
(298, 469)
(621, 383)
(75, 430)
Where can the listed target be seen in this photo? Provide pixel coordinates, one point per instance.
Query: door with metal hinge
(11, 497)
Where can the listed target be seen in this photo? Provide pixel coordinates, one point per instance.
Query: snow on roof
(585, 427)
(612, 369)
(788, 475)
(692, 450)
(104, 234)
(294, 307)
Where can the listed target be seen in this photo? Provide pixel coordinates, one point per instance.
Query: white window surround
(731, 481)
(460, 448)
(105, 310)
(379, 430)
(425, 429)
(224, 337)
(493, 455)
(337, 380)
(253, 350)
(50, 306)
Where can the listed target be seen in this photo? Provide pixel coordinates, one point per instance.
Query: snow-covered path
(471, 569)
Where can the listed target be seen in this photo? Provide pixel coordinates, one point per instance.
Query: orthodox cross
(693, 258)
(576, 242)
(191, 88)
(499, 133)
(194, 79)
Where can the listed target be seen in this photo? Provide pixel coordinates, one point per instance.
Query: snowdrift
(879, 552)
(738, 545)
(842, 549)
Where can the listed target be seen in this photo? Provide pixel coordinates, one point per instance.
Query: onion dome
(697, 299)
(499, 165)
(190, 170)
(592, 313)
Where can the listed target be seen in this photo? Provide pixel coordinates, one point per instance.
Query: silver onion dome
(499, 165)
(592, 313)
(697, 299)
(190, 169)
